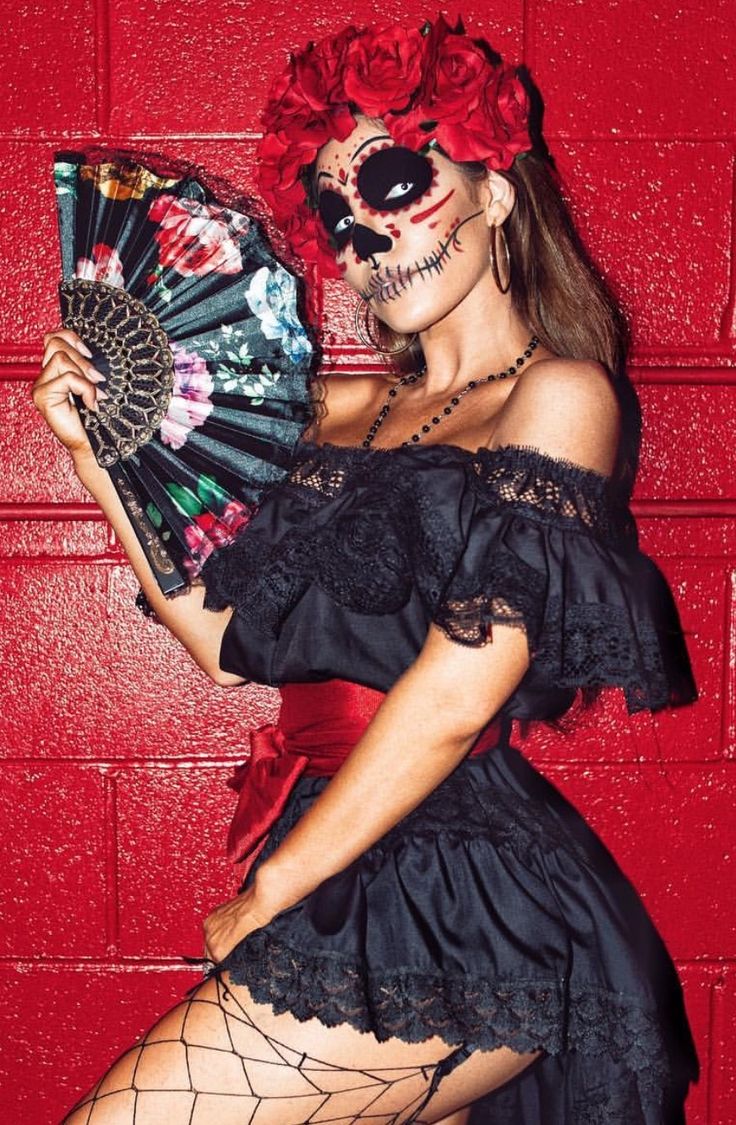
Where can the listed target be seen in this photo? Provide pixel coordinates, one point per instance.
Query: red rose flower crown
(432, 87)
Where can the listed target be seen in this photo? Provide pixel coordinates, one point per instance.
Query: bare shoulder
(346, 398)
(565, 407)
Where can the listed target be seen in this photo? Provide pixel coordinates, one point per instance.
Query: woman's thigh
(219, 1058)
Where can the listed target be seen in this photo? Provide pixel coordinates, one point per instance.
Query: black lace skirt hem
(491, 915)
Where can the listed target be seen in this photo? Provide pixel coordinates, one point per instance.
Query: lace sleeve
(547, 550)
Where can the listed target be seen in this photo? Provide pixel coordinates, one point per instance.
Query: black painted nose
(367, 242)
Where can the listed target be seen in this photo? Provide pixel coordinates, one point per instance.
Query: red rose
(406, 128)
(286, 101)
(319, 69)
(308, 238)
(458, 74)
(511, 103)
(496, 130)
(383, 68)
(280, 161)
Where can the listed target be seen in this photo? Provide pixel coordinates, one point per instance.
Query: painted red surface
(116, 747)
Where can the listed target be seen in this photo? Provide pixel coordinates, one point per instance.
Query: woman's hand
(230, 922)
(65, 368)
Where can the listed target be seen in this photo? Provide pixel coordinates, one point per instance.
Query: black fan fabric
(203, 337)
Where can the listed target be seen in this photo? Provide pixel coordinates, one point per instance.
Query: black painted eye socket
(336, 216)
(393, 178)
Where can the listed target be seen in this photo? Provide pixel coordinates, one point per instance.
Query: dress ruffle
(489, 914)
(364, 548)
(548, 551)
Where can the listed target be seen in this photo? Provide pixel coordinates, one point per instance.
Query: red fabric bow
(326, 719)
(264, 781)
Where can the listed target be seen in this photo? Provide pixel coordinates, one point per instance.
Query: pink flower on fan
(105, 265)
(190, 403)
(197, 238)
(199, 547)
(231, 520)
(209, 531)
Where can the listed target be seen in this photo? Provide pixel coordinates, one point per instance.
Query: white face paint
(410, 234)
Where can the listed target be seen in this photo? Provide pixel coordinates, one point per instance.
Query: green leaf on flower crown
(210, 492)
(184, 499)
(153, 514)
(425, 28)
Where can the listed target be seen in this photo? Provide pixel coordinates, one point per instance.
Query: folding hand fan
(199, 330)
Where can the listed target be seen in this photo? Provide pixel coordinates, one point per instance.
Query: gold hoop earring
(494, 259)
(363, 332)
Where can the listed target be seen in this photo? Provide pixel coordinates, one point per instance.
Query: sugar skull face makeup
(387, 180)
(408, 229)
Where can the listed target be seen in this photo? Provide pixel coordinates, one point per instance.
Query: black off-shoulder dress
(492, 914)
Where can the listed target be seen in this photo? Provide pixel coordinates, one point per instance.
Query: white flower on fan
(271, 295)
(190, 403)
(105, 265)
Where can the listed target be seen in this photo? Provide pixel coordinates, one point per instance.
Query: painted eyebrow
(380, 137)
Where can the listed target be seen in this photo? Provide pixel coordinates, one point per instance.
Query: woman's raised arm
(65, 368)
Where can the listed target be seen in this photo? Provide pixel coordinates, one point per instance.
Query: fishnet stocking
(207, 1062)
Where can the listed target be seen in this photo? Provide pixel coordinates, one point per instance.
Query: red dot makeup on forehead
(431, 210)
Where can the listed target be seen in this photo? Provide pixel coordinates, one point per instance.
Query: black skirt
(491, 915)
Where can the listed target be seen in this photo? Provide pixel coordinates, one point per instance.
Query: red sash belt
(318, 725)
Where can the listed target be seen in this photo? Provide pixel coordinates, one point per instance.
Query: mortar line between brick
(527, 33)
(102, 66)
(728, 324)
(112, 916)
(713, 1073)
(135, 137)
(192, 762)
(728, 714)
(127, 961)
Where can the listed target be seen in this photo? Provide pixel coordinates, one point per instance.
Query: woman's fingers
(65, 370)
(70, 336)
(66, 341)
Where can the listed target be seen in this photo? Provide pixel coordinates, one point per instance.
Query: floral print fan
(198, 328)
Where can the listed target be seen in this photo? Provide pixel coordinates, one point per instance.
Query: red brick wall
(116, 747)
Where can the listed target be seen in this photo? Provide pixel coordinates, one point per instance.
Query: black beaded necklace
(412, 378)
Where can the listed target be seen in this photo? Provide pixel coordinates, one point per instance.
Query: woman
(425, 921)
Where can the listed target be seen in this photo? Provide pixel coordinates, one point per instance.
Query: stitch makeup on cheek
(390, 282)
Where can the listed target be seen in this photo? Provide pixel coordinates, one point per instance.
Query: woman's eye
(393, 178)
(337, 217)
(399, 190)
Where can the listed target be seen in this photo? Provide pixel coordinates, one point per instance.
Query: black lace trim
(526, 1015)
(551, 489)
(506, 591)
(517, 477)
(400, 524)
